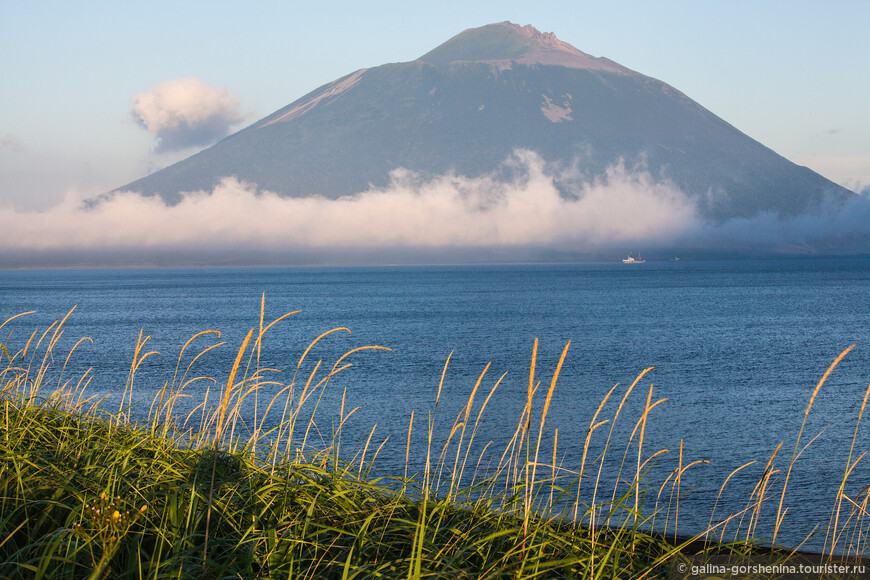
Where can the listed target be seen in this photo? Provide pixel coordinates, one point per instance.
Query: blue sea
(738, 348)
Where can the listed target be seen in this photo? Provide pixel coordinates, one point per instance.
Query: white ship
(632, 260)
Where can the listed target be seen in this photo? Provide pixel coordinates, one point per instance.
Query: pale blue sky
(793, 75)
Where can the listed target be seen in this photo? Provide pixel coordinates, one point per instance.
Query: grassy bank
(87, 493)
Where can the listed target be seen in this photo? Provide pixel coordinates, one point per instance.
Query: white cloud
(448, 212)
(185, 113)
(833, 222)
(624, 210)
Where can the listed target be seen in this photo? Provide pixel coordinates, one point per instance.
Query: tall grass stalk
(780, 514)
(833, 529)
(218, 490)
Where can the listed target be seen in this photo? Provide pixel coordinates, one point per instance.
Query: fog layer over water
(628, 208)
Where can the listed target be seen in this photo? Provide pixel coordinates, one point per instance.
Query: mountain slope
(465, 106)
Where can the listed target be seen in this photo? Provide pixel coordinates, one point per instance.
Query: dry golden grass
(216, 492)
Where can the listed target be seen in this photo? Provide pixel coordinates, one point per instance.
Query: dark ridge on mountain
(467, 105)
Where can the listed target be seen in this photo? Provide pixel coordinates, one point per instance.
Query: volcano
(466, 106)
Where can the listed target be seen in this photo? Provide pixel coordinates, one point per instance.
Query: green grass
(87, 493)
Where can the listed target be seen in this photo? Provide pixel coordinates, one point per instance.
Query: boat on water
(632, 260)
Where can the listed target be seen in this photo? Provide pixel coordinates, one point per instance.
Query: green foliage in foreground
(89, 494)
(82, 496)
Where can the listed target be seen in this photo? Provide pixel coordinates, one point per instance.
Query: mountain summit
(466, 106)
(506, 43)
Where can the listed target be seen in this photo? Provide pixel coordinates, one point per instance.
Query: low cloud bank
(626, 210)
(184, 113)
